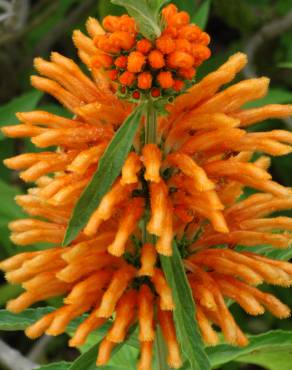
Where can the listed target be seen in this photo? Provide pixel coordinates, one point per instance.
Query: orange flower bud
(146, 356)
(113, 74)
(191, 32)
(122, 39)
(102, 60)
(145, 80)
(136, 94)
(136, 61)
(127, 78)
(204, 39)
(180, 59)
(168, 330)
(144, 46)
(148, 260)
(183, 45)
(169, 11)
(187, 73)
(163, 290)
(121, 62)
(111, 23)
(104, 43)
(125, 313)
(178, 85)
(178, 20)
(146, 314)
(200, 53)
(171, 32)
(127, 24)
(165, 79)
(165, 44)
(155, 92)
(156, 59)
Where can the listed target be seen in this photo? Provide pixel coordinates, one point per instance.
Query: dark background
(262, 28)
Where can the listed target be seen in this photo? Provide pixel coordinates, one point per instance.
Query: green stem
(151, 124)
(151, 138)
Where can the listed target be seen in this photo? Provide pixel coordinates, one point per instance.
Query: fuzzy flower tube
(176, 155)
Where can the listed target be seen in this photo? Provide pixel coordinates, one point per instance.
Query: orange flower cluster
(193, 179)
(139, 64)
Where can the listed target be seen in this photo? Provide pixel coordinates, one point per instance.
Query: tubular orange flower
(183, 182)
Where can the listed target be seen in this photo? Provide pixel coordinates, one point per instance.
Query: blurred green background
(262, 28)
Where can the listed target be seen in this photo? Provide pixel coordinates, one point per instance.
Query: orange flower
(193, 177)
(145, 80)
(180, 59)
(178, 85)
(156, 59)
(127, 78)
(144, 46)
(136, 61)
(121, 62)
(165, 79)
(165, 44)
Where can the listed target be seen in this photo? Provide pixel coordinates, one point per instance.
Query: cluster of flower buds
(142, 66)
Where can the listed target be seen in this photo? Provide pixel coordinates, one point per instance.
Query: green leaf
(268, 251)
(184, 313)
(269, 361)
(146, 14)
(56, 366)
(10, 321)
(8, 292)
(127, 355)
(108, 170)
(9, 211)
(23, 103)
(201, 16)
(186, 5)
(277, 342)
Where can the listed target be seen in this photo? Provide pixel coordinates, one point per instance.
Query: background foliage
(36, 27)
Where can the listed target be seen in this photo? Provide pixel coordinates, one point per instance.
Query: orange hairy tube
(146, 314)
(163, 289)
(168, 330)
(115, 290)
(125, 313)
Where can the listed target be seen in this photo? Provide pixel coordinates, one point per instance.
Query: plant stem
(151, 124)
(151, 138)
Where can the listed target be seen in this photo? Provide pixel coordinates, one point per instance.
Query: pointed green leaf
(202, 14)
(108, 170)
(184, 313)
(10, 321)
(278, 343)
(87, 360)
(146, 14)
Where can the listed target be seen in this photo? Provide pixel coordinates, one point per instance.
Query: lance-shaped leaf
(184, 313)
(271, 350)
(109, 168)
(146, 14)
